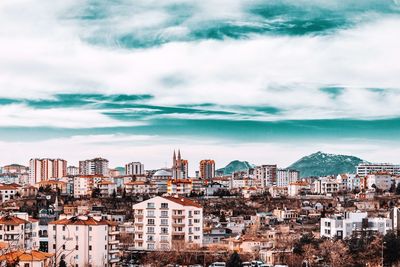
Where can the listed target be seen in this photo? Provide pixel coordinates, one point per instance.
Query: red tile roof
(183, 201)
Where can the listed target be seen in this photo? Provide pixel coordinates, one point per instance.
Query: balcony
(114, 232)
(178, 224)
(112, 242)
(164, 241)
(113, 260)
(139, 215)
(178, 216)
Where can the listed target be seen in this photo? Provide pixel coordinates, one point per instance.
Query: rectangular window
(164, 205)
(164, 213)
(164, 230)
(150, 205)
(164, 221)
(150, 221)
(150, 213)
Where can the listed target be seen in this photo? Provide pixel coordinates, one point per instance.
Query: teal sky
(263, 81)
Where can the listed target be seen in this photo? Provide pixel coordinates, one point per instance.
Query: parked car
(218, 264)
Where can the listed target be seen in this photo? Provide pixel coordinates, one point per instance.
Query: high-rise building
(363, 169)
(84, 241)
(207, 169)
(45, 169)
(166, 223)
(180, 167)
(286, 176)
(96, 166)
(134, 168)
(72, 170)
(266, 175)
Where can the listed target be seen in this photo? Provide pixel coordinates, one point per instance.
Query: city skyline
(255, 81)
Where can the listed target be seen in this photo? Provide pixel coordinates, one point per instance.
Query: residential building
(140, 188)
(344, 225)
(14, 168)
(96, 166)
(207, 169)
(84, 241)
(295, 188)
(266, 175)
(382, 181)
(167, 223)
(179, 186)
(72, 170)
(286, 176)
(25, 258)
(363, 169)
(326, 185)
(134, 168)
(7, 192)
(19, 231)
(45, 169)
(107, 188)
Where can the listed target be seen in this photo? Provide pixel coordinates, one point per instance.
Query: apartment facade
(84, 241)
(96, 166)
(207, 169)
(266, 175)
(344, 225)
(363, 169)
(19, 231)
(286, 176)
(134, 168)
(167, 223)
(45, 169)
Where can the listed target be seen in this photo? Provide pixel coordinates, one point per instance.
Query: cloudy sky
(263, 81)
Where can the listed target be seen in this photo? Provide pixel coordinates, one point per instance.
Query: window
(150, 230)
(150, 205)
(150, 221)
(26, 265)
(164, 221)
(164, 230)
(164, 205)
(150, 213)
(196, 220)
(63, 228)
(164, 238)
(150, 238)
(90, 247)
(90, 228)
(76, 247)
(196, 229)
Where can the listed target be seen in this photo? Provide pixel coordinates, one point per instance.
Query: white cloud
(21, 115)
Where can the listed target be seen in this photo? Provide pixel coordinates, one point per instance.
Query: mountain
(234, 166)
(323, 164)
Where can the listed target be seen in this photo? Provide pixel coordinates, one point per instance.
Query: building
(344, 225)
(296, 188)
(207, 169)
(266, 175)
(32, 258)
(363, 169)
(7, 192)
(96, 166)
(168, 223)
(72, 171)
(180, 167)
(107, 188)
(326, 185)
(19, 231)
(14, 168)
(179, 186)
(382, 181)
(134, 168)
(84, 241)
(286, 176)
(83, 184)
(140, 188)
(45, 169)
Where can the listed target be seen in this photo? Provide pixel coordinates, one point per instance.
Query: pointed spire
(179, 154)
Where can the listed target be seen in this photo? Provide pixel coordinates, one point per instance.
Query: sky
(262, 81)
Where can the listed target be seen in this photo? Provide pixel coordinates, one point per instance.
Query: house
(32, 258)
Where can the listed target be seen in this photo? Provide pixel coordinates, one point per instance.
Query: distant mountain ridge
(235, 166)
(323, 164)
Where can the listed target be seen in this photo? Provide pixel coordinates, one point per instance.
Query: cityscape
(91, 214)
(200, 133)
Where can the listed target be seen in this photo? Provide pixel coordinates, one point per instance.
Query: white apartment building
(179, 186)
(107, 188)
(44, 169)
(7, 192)
(342, 226)
(140, 188)
(286, 176)
(326, 185)
(167, 223)
(84, 241)
(381, 181)
(266, 175)
(363, 169)
(19, 231)
(83, 185)
(134, 168)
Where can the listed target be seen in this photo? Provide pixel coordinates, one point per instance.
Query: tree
(234, 260)
(114, 194)
(397, 189)
(391, 248)
(95, 192)
(62, 263)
